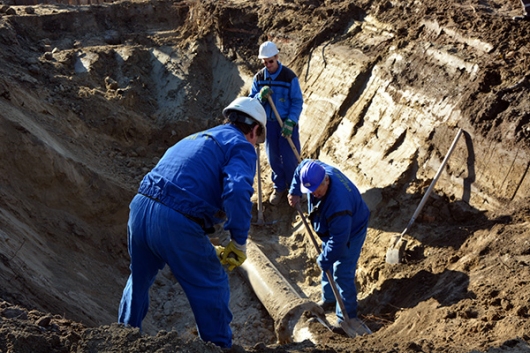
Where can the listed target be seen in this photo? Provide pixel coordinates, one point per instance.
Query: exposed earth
(92, 95)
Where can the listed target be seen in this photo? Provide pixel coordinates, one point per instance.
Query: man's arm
(238, 179)
(294, 189)
(297, 101)
(339, 234)
(254, 89)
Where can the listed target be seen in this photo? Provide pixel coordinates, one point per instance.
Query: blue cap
(311, 176)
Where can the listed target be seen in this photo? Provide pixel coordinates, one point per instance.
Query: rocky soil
(92, 95)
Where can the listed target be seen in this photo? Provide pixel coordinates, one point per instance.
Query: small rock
(34, 69)
(112, 37)
(141, 151)
(14, 313)
(110, 84)
(44, 321)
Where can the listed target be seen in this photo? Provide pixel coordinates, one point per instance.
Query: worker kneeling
(203, 180)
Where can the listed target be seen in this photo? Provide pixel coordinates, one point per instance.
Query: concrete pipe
(281, 300)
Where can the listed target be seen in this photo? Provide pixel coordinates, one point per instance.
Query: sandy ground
(90, 98)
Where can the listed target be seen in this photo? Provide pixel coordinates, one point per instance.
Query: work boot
(276, 197)
(327, 306)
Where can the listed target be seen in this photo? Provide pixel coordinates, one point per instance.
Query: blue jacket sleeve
(294, 189)
(238, 179)
(297, 101)
(339, 234)
(254, 90)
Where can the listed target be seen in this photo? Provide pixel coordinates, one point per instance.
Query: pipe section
(280, 299)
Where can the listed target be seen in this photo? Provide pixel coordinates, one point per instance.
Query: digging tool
(260, 221)
(352, 327)
(394, 254)
(293, 147)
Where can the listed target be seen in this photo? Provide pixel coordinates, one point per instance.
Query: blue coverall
(340, 219)
(202, 180)
(288, 100)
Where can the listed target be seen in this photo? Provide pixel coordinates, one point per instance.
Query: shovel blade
(394, 254)
(355, 327)
(260, 221)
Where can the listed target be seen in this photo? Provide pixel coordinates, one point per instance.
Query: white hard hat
(253, 108)
(267, 50)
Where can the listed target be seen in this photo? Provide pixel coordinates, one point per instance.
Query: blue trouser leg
(169, 237)
(193, 261)
(144, 265)
(343, 272)
(280, 154)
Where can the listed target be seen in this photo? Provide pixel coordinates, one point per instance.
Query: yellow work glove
(233, 255)
(219, 251)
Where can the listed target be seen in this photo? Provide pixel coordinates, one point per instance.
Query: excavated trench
(359, 114)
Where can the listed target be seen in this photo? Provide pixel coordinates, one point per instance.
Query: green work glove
(234, 255)
(264, 93)
(287, 129)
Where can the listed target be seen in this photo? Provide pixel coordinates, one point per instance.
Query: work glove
(234, 255)
(287, 129)
(219, 251)
(264, 93)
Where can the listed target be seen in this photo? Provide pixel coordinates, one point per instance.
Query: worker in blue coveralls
(282, 85)
(201, 181)
(340, 217)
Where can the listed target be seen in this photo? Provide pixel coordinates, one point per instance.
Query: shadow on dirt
(445, 220)
(448, 288)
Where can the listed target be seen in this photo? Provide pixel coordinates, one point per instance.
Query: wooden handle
(293, 147)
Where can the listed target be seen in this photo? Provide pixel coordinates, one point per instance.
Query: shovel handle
(261, 221)
(293, 147)
(308, 229)
(438, 173)
(328, 273)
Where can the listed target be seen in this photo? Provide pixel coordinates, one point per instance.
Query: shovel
(293, 147)
(394, 254)
(352, 327)
(260, 221)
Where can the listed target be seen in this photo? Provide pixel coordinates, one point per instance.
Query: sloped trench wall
(359, 116)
